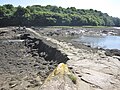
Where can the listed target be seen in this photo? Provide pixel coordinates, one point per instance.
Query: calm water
(106, 42)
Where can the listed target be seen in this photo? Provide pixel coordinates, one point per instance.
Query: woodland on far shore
(38, 15)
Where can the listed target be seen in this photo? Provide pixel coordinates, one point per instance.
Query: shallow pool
(106, 42)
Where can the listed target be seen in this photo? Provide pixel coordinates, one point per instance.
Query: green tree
(38, 15)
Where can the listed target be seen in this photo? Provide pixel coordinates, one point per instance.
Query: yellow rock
(63, 79)
(60, 70)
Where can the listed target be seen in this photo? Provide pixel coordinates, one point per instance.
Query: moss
(73, 78)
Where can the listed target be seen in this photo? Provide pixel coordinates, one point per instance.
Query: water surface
(106, 42)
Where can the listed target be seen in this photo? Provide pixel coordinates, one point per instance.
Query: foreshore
(92, 66)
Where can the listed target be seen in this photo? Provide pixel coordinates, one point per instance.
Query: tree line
(38, 15)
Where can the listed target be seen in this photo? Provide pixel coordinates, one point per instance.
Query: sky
(111, 7)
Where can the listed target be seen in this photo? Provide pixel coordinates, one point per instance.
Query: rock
(104, 31)
(117, 57)
(63, 79)
(103, 73)
(113, 52)
(3, 89)
(98, 79)
(33, 83)
(13, 84)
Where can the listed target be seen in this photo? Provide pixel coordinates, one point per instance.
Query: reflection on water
(106, 42)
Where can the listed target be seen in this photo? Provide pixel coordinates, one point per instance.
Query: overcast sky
(112, 7)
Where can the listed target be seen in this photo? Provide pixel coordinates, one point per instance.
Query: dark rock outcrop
(113, 52)
(46, 51)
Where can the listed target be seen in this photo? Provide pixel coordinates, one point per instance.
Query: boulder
(63, 79)
(112, 52)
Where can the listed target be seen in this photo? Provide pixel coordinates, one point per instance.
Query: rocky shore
(25, 61)
(26, 64)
